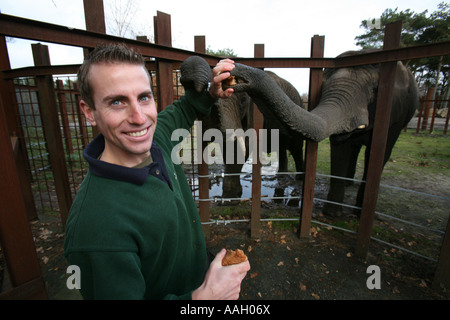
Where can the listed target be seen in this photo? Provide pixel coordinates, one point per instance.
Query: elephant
(236, 112)
(345, 114)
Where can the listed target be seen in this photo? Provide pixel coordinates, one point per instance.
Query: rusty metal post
(378, 146)
(76, 112)
(164, 78)
(94, 15)
(315, 83)
(16, 238)
(7, 93)
(203, 179)
(419, 116)
(64, 116)
(50, 122)
(258, 119)
(426, 111)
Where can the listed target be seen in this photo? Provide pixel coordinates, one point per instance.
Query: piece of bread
(234, 257)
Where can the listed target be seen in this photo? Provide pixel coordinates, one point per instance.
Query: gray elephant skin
(237, 113)
(345, 114)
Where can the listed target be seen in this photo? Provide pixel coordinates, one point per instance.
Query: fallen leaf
(253, 275)
(316, 296)
(302, 286)
(423, 284)
(349, 255)
(297, 260)
(45, 260)
(281, 263)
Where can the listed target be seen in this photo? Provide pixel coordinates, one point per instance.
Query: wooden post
(378, 147)
(164, 78)
(50, 122)
(203, 180)
(315, 83)
(442, 274)
(258, 119)
(426, 110)
(16, 239)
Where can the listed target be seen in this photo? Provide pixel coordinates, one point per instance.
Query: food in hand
(234, 257)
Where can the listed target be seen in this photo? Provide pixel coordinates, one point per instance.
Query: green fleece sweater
(136, 233)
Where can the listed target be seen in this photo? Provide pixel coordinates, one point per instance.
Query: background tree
(223, 53)
(417, 29)
(124, 20)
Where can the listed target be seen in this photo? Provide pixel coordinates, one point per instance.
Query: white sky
(284, 26)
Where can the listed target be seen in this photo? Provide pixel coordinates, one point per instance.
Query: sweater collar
(112, 171)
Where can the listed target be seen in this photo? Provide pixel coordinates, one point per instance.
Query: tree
(223, 53)
(417, 28)
(124, 20)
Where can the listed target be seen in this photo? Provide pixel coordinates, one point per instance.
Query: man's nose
(137, 115)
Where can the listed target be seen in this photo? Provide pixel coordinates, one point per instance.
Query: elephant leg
(393, 134)
(297, 153)
(282, 159)
(339, 164)
(232, 187)
(353, 159)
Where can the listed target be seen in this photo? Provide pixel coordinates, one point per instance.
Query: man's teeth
(137, 134)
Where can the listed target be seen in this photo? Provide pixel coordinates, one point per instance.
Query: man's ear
(88, 112)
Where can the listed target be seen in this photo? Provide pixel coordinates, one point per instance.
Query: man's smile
(138, 133)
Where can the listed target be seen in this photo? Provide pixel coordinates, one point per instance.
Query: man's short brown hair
(105, 53)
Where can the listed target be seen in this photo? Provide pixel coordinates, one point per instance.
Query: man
(134, 229)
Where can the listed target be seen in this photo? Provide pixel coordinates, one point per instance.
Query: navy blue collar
(116, 172)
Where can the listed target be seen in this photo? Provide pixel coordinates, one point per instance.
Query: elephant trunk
(273, 102)
(340, 110)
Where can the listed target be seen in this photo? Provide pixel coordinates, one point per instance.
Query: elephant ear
(196, 74)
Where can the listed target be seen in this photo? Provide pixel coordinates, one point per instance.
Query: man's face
(125, 111)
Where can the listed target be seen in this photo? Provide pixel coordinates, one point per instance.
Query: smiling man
(134, 229)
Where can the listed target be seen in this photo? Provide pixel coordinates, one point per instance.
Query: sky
(285, 27)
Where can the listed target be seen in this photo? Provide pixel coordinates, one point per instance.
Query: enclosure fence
(44, 133)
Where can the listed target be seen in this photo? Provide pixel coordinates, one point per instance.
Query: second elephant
(237, 113)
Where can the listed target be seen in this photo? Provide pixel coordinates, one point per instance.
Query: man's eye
(116, 103)
(145, 98)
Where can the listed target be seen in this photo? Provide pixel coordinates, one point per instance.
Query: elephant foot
(332, 210)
